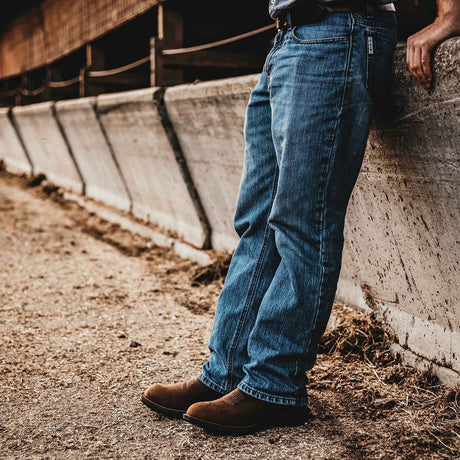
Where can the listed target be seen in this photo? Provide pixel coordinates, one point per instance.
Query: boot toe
(154, 392)
(197, 410)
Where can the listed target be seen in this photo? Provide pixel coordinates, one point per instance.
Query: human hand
(421, 44)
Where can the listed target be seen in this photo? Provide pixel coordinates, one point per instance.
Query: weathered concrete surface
(208, 119)
(46, 145)
(11, 149)
(92, 153)
(148, 163)
(402, 235)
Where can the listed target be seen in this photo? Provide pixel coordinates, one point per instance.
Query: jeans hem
(283, 400)
(209, 383)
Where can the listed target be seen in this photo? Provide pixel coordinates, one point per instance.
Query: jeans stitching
(368, 60)
(210, 383)
(272, 59)
(244, 386)
(252, 288)
(339, 38)
(321, 283)
(375, 25)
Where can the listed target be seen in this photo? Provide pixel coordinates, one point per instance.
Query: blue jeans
(306, 129)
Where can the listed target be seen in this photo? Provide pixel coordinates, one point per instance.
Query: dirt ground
(91, 316)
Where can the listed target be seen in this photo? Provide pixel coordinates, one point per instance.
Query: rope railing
(41, 89)
(139, 62)
(64, 83)
(106, 73)
(226, 41)
(12, 92)
(34, 92)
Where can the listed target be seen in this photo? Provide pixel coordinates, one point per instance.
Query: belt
(307, 13)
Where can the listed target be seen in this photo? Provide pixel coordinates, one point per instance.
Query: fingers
(418, 67)
(418, 59)
(426, 65)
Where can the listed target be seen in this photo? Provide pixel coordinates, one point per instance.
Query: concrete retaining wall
(46, 145)
(402, 235)
(208, 119)
(153, 176)
(11, 150)
(92, 153)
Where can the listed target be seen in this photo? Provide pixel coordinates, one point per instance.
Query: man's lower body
(306, 128)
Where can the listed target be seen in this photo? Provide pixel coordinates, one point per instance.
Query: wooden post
(82, 85)
(95, 60)
(19, 99)
(47, 94)
(154, 61)
(170, 34)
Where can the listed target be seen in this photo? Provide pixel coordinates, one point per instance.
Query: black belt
(310, 12)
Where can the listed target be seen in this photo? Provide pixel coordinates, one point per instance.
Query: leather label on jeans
(370, 45)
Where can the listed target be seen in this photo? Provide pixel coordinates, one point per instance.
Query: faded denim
(306, 129)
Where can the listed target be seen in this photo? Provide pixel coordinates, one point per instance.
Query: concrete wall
(402, 235)
(153, 175)
(46, 145)
(208, 119)
(11, 149)
(92, 152)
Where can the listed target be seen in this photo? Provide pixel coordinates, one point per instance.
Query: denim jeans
(306, 128)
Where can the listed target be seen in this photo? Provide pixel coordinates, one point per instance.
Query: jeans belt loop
(289, 20)
(369, 10)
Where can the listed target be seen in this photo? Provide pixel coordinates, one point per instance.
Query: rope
(12, 92)
(34, 92)
(64, 83)
(106, 73)
(40, 89)
(193, 49)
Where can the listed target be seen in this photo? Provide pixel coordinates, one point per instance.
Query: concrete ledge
(446, 376)
(11, 149)
(401, 240)
(208, 119)
(148, 163)
(47, 146)
(92, 153)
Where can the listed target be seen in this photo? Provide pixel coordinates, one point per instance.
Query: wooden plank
(55, 28)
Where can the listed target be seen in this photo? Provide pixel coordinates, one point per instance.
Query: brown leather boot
(174, 400)
(238, 413)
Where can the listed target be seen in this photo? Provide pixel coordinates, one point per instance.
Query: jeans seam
(269, 66)
(252, 288)
(203, 378)
(313, 41)
(320, 292)
(368, 60)
(252, 391)
(374, 24)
